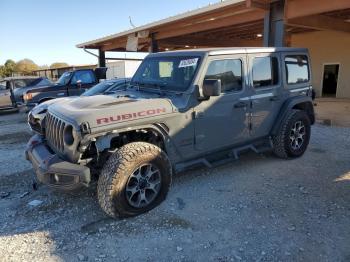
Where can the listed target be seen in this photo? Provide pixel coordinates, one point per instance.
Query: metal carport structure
(230, 23)
(323, 26)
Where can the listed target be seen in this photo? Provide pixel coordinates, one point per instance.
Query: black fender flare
(159, 128)
(298, 102)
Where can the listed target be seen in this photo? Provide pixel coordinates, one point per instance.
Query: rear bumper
(52, 170)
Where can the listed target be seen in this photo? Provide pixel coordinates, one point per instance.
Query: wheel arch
(301, 103)
(156, 134)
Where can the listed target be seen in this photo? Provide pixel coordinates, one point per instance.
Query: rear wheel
(134, 180)
(294, 135)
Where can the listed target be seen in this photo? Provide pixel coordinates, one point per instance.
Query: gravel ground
(257, 209)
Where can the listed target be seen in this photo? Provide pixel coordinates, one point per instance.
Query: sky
(47, 31)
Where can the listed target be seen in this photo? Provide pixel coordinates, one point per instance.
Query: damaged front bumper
(51, 170)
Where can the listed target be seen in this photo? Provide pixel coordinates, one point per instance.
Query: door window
(229, 71)
(86, 77)
(265, 71)
(297, 69)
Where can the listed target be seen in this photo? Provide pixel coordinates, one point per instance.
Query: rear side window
(297, 69)
(86, 77)
(229, 71)
(265, 71)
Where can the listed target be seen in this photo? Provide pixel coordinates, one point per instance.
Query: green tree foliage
(2, 71)
(8, 68)
(58, 65)
(26, 66)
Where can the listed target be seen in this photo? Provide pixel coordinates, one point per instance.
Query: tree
(26, 66)
(10, 67)
(58, 65)
(2, 71)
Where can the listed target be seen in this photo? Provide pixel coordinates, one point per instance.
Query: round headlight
(68, 135)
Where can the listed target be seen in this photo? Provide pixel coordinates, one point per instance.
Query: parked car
(183, 109)
(12, 89)
(71, 83)
(21, 88)
(108, 87)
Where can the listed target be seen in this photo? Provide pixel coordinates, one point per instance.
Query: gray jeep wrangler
(183, 109)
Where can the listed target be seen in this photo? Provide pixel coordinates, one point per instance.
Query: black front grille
(54, 128)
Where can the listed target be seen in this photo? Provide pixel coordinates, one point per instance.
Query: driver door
(223, 120)
(81, 81)
(5, 95)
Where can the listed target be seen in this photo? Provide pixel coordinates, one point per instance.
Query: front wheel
(294, 135)
(134, 180)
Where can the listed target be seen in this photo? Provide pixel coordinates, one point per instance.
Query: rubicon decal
(130, 116)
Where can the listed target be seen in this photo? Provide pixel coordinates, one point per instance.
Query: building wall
(131, 67)
(115, 69)
(122, 69)
(327, 47)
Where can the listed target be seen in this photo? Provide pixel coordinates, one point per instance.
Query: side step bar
(232, 155)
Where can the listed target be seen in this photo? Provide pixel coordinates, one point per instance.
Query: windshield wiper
(137, 84)
(158, 86)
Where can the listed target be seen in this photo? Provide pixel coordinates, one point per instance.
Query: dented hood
(102, 110)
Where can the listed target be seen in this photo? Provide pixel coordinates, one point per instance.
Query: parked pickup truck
(71, 83)
(12, 89)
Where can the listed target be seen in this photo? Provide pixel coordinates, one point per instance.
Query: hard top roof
(231, 50)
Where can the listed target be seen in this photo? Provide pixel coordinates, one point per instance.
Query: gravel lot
(257, 209)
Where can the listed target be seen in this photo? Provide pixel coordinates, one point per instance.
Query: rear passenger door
(81, 81)
(266, 100)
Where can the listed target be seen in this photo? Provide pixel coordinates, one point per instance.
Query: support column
(101, 58)
(154, 44)
(274, 26)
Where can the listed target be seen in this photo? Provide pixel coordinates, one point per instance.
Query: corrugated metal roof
(163, 21)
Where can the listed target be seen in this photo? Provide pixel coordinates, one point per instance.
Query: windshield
(99, 88)
(166, 73)
(18, 83)
(64, 79)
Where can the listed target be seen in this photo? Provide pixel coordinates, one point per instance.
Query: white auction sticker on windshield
(188, 62)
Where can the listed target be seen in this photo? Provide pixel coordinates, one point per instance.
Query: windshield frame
(147, 85)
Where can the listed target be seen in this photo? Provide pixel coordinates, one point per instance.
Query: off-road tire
(281, 141)
(111, 188)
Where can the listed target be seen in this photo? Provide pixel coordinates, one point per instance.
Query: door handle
(240, 105)
(274, 98)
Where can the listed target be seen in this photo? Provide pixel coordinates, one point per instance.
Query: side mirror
(79, 83)
(211, 87)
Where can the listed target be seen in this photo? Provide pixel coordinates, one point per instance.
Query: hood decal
(130, 116)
